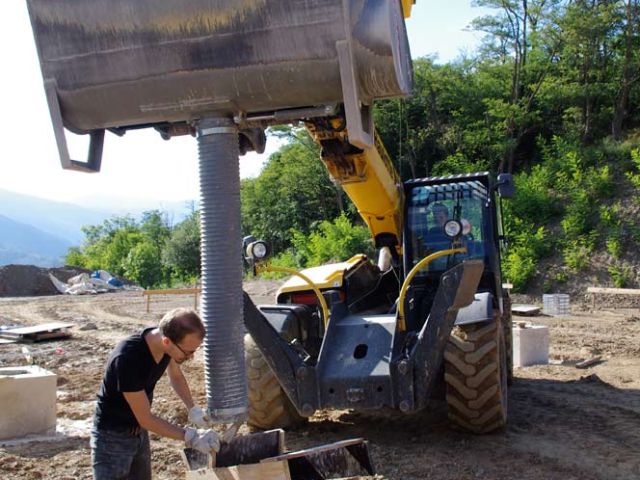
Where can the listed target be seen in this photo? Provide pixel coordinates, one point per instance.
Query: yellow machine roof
(324, 276)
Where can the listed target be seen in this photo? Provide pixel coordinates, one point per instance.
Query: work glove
(199, 418)
(202, 440)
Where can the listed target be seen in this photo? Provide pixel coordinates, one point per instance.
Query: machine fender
(480, 310)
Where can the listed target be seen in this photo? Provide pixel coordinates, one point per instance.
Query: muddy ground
(565, 423)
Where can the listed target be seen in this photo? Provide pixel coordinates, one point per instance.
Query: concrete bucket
(121, 64)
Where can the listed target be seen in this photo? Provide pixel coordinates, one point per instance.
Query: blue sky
(141, 166)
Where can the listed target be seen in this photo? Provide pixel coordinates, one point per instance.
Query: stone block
(27, 401)
(530, 345)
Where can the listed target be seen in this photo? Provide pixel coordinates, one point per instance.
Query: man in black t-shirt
(119, 439)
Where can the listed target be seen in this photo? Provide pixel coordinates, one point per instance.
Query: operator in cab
(123, 417)
(440, 216)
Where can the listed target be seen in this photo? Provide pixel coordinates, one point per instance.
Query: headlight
(452, 228)
(466, 226)
(258, 250)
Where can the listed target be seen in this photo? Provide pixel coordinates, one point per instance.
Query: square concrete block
(27, 401)
(530, 345)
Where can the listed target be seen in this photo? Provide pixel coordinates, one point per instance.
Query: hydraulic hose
(402, 325)
(221, 307)
(314, 287)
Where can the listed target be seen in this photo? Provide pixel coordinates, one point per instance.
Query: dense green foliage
(552, 96)
(293, 192)
(150, 252)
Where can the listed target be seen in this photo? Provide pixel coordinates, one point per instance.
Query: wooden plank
(589, 362)
(525, 310)
(255, 471)
(45, 327)
(614, 291)
(38, 337)
(242, 450)
(314, 450)
(172, 291)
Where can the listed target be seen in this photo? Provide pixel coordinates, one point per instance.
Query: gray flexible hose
(221, 306)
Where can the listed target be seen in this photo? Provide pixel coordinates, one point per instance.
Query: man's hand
(202, 440)
(199, 418)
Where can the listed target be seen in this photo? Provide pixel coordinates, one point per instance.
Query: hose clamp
(214, 130)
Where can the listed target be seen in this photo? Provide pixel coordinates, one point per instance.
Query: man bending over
(123, 418)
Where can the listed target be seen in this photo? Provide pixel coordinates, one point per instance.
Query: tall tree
(520, 35)
(293, 191)
(630, 65)
(589, 31)
(182, 250)
(155, 226)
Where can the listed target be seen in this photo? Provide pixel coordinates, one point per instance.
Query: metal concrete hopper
(123, 64)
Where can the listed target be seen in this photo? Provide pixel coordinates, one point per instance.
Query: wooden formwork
(263, 455)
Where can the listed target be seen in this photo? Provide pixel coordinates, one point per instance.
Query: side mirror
(505, 185)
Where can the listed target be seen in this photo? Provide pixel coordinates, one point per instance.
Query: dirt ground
(565, 423)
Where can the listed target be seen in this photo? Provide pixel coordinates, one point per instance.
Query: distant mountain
(38, 231)
(27, 245)
(65, 220)
(62, 220)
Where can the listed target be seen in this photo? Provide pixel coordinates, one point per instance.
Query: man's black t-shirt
(130, 368)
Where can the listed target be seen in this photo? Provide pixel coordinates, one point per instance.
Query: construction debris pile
(28, 280)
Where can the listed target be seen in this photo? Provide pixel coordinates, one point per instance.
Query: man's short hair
(179, 322)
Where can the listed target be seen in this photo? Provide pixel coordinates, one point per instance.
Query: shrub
(621, 276)
(519, 268)
(535, 201)
(286, 259)
(456, 164)
(333, 241)
(519, 265)
(615, 246)
(634, 177)
(578, 219)
(75, 258)
(577, 253)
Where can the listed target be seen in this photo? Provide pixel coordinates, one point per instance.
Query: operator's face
(440, 217)
(186, 348)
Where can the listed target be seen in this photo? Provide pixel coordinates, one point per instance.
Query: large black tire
(269, 406)
(476, 374)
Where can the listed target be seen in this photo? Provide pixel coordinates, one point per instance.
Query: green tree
(332, 241)
(75, 258)
(293, 191)
(117, 250)
(627, 66)
(521, 37)
(155, 226)
(182, 250)
(142, 264)
(99, 249)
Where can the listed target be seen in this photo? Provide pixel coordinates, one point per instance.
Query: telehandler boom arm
(367, 176)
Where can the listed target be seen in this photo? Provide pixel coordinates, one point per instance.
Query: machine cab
(472, 201)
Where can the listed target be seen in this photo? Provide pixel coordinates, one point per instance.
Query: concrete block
(27, 401)
(556, 304)
(530, 345)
